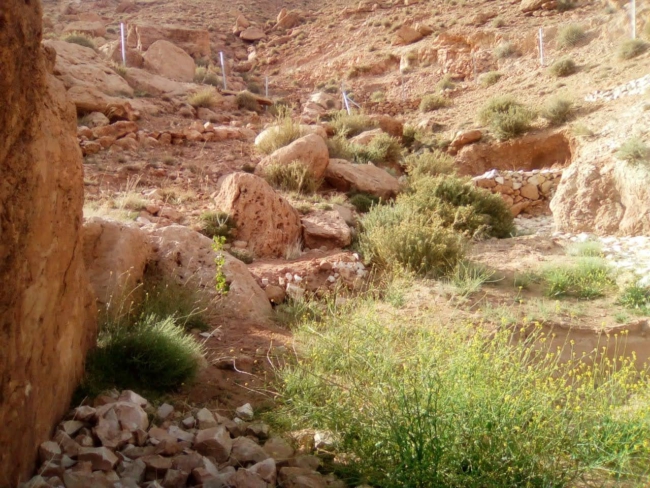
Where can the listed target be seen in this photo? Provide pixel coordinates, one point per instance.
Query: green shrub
(411, 402)
(446, 83)
(254, 88)
(506, 117)
(468, 277)
(378, 96)
(353, 124)
(203, 98)
(490, 78)
(632, 48)
(563, 67)
(246, 100)
(558, 110)
(636, 297)
(199, 74)
(120, 69)
(80, 39)
(153, 353)
(340, 148)
(505, 50)
(593, 249)
(564, 5)
(294, 176)
(363, 202)
(429, 163)
(461, 206)
(216, 224)
(167, 298)
(292, 312)
(589, 278)
(570, 36)
(433, 102)
(394, 237)
(382, 149)
(284, 132)
(634, 151)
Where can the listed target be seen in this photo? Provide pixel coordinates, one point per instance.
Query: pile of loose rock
(634, 87)
(114, 444)
(522, 190)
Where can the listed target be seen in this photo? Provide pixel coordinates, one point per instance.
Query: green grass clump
(284, 132)
(352, 125)
(152, 353)
(382, 149)
(120, 69)
(167, 298)
(489, 79)
(294, 176)
(433, 102)
(340, 148)
(378, 96)
(446, 82)
(563, 67)
(412, 402)
(461, 206)
(363, 202)
(634, 151)
(636, 297)
(505, 50)
(429, 163)
(588, 278)
(591, 249)
(246, 100)
(80, 39)
(216, 224)
(203, 98)
(506, 117)
(558, 110)
(468, 278)
(571, 36)
(632, 48)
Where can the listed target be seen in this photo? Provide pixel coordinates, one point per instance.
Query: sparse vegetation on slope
(294, 176)
(506, 117)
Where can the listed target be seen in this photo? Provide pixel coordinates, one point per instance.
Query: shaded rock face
(46, 309)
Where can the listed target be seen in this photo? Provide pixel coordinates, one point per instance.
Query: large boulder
(325, 229)
(170, 61)
(264, 219)
(47, 315)
(154, 84)
(115, 254)
(195, 42)
(366, 178)
(310, 150)
(187, 256)
(271, 132)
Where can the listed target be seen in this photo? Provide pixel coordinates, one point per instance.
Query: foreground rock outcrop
(46, 317)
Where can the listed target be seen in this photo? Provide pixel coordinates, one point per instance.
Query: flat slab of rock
(252, 34)
(325, 229)
(170, 61)
(310, 150)
(366, 178)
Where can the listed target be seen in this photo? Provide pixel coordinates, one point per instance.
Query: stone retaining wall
(523, 191)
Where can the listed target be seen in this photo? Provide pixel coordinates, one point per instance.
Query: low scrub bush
(433, 102)
(352, 125)
(636, 297)
(564, 5)
(506, 117)
(591, 249)
(340, 148)
(246, 100)
(563, 67)
(216, 224)
(558, 111)
(294, 176)
(120, 69)
(588, 278)
(363, 202)
(446, 83)
(632, 48)
(429, 163)
(489, 79)
(382, 149)
(461, 206)
(468, 277)
(378, 96)
(570, 36)
(410, 402)
(505, 50)
(244, 255)
(80, 39)
(634, 151)
(284, 132)
(203, 98)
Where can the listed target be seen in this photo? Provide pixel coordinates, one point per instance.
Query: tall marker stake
(123, 44)
(266, 83)
(633, 19)
(223, 70)
(541, 46)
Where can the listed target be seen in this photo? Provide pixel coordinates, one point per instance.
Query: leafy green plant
(506, 117)
(246, 100)
(635, 297)
(558, 110)
(563, 67)
(570, 36)
(382, 149)
(634, 151)
(363, 202)
(433, 102)
(429, 163)
(282, 133)
(80, 39)
(350, 125)
(218, 224)
(632, 48)
(340, 148)
(588, 278)
(221, 285)
(185, 304)
(295, 176)
(411, 402)
(593, 249)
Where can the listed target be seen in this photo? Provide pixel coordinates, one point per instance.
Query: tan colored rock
(93, 29)
(389, 125)
(252, 34)
(531, 5)
(264, 218)
(168, 60)
(266, 470)
(529, 191)
(116, 130)
(187, 256)
(101, 458)
(195, 42)
(366, 137)
(289, 20)
(325, 229)
(275, 294)
(46, 312)
(466, 137)
(115, 255)
(406, 35)
(154, 84)
(310, 150)
(245, 451)
(367, 178)
(278, 449)
(215, 442)
(272, 131)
